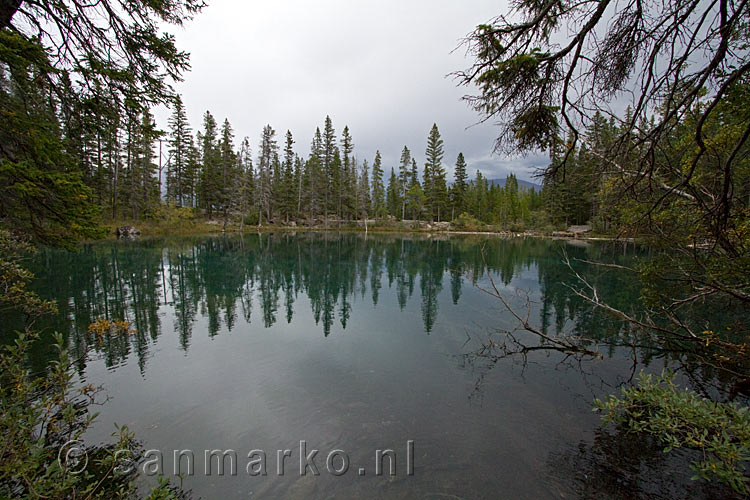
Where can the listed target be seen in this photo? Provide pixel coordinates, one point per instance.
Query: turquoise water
(359, 343)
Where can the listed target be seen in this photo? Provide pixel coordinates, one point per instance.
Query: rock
(562, 234)
(127, 232)
(577, 230)
(442, 226)
(292, 224)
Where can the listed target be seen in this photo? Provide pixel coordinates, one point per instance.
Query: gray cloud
(378, 67)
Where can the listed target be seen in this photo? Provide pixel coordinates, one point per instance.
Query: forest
(130, 170)
(641, 108)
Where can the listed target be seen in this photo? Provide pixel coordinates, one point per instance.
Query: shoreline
(206, 228)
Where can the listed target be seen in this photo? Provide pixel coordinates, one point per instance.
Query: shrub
(466, 222)
(43, 416)
(682, 419)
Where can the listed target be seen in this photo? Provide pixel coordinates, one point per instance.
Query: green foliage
(466, 222)
(41, 191)
(682, 419)
(435, 187)
(42, 415)
(14, 278)
(378, 188)
(171, 213)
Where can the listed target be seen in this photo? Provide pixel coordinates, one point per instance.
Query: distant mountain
(521, 184)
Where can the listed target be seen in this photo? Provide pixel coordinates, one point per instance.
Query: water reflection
(260, 278)
(358, 342)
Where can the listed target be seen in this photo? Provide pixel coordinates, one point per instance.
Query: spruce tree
(378, 189)
(245, 180)
(266, 156)
(209, 175)
(228, 160)
(313, 175)
(288, 188)
(436, 191)
(364, 190)
(403, 178)
(328, 152)
(180, 137)
(347, 186)
(459, 185)
(393, 196)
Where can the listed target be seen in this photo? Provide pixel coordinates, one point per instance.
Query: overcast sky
(378, 67)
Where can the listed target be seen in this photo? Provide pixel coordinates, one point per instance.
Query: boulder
(441, 226)
(578, 230)
(562, 234)
(127, 232)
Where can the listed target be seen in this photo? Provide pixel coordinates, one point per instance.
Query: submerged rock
(127, 232)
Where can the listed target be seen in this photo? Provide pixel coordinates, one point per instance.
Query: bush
(466, 222)
(682, 419)
(43, 417)
(172, 213)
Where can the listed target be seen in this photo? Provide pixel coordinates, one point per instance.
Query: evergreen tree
(378, 189)
(328, 151)
(364, 190)
(458, 192)
(403, 178)
(210, 165)
(229, 167)
(245, 184)
(288, 187)
(393, 196)
(313, 174)
(348, 175)
(298, 178)
(266, 155)
(436, 190)
(180, 137)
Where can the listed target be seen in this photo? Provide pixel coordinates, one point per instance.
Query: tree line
(205, 170)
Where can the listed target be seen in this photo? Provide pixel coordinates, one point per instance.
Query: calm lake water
(359, 343)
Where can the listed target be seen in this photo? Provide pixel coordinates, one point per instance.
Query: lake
(378, 351)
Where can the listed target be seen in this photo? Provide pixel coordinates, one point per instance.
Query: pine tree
(210, 164)
(378, 189)
(288, 190)
(436, 190)
(393, 196)
(228, 161)
(364, 190)
(348, 175)
(336, 181)
(180, 137)
(403, 178)
(139, 188)
(266, 155)
(313, 174)
(328, 152)
(277, 194)
(245, 181)
(459, 185)
(414, 192)
(192, 172)
(298, 178)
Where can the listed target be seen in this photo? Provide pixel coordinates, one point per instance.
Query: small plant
(466, 222)
(102, 327)
(43, 417)
(682, 419)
